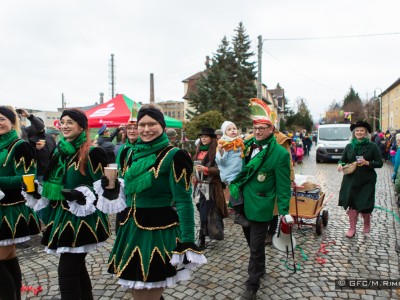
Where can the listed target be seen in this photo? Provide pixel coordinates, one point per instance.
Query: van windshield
(334, 134)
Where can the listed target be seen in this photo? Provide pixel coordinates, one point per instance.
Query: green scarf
(55, 181)
(128, 145)
(5, 141)
(204, 147)
(252, 167)
(144, 157)
(356, 144)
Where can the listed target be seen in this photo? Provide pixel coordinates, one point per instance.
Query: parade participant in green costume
(154, 247)
(75, 226)
(17, 221)
(124, 156)
(264, 181)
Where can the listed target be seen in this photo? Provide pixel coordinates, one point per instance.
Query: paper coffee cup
(113, 166)
(29, 182)
(197, 162)
(111, 173)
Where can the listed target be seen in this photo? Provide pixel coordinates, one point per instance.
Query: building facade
(174, 109)
(390, 107)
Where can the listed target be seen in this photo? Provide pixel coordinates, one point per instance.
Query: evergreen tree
(302, 118)
(212, 119)
(228, 83)
(244, 77)
(214, 88)
(352, 103)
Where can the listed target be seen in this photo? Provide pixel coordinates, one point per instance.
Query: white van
(331, 141)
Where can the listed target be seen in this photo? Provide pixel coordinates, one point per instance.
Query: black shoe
(241, 220)
(268, 239)
(23, 245)
(201, 242)
(248, 295)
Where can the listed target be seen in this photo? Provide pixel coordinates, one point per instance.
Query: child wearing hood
(230, 162)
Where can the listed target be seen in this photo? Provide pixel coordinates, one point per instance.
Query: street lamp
(380, 107)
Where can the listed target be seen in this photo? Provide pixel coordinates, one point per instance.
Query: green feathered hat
(134, 114)
(260, 112)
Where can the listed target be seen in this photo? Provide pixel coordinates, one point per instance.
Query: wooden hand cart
(303, 208)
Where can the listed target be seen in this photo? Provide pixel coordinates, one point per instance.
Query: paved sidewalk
(364, 257)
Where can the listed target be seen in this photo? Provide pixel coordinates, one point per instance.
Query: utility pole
(152, 88)
(62, 101)
(112, 75)
(259, 81)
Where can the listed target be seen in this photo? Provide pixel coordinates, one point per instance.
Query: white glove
(289, 219)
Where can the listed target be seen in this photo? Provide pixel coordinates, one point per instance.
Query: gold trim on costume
(156, 171)
(22, 161)
(14, 203)
(183, 174)
(73, 163)
(149, 228)
(145, 273)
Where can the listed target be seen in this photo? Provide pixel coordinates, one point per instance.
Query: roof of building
(191, 81)
(394, 84)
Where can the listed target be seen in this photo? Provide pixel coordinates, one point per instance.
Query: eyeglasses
(260, 129)
(67, 123)
(151, 125)
(131, 128)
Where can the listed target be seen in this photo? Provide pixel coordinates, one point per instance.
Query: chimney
(151, 88)
(101, 98)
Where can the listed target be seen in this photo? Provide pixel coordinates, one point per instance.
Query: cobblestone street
(370, 256)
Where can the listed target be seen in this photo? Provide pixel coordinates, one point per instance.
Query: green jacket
(358, 189)
(271, 182)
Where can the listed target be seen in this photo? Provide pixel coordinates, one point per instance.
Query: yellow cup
(29, 182)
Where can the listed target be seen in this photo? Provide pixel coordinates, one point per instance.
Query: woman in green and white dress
(154, 247)
(76, 221)
(17, 221)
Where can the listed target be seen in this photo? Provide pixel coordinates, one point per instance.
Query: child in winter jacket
(230, 162)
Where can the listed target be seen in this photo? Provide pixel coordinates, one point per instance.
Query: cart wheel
(318, 225)
(325, 217)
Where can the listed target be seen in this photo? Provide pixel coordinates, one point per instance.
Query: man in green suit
(264, 179)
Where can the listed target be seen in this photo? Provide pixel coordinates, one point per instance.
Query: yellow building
(174, 109)
(390, 107)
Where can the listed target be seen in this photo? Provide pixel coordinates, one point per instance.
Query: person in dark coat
(104, 141)
(307, 143)
(43, 143)
(357, 192)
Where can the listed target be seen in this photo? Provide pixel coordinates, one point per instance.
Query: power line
(301, 73)
(333, 37)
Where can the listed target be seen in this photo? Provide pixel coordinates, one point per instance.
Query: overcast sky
(64, 46)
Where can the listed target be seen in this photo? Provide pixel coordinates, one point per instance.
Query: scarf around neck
(204, 147)
(5, 141)
(54, 179)
(128, 146)
(144, 157)
(235, 144)
(357, 145)
(252, 167)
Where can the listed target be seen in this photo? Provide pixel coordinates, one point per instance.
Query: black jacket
(108, 147)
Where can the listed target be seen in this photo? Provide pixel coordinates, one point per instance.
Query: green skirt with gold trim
(142, 251)
(18, 223)
(66, 232)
